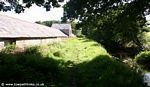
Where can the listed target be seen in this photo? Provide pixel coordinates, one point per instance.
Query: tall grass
(73, 63)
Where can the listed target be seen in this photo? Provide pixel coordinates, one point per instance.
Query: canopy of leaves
(83, 9)
(20, 7)
(117, 21)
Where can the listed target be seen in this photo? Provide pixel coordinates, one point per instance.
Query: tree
(110, 21)
(47, 23)
(18, 7)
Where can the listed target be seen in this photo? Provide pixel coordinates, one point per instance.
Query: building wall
(33, 42)
(1, 45)
(21, 43)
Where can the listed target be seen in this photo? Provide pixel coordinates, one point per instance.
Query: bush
(32, 50)
(103, 71)
(30, 68)
(78, 33)
(143, 60)
(9, 48)
(73, 64)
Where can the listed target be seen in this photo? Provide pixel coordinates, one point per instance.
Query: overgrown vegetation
(143, 60)
(117, 24)
(9, 48)
(75, 62)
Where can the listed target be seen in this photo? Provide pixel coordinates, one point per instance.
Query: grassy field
(75, 62)
(75, 50)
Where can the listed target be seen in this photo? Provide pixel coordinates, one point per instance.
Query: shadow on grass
(96, 44)
(32, 67)
(85, 40)
(104, 71)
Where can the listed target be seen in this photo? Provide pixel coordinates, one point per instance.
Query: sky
(36, 13)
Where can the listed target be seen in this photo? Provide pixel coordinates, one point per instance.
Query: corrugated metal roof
(16, 28)
(61, 26)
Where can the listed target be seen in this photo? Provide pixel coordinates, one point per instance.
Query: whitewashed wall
(32, 42)
(1, 45)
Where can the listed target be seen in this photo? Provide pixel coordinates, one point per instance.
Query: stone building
(23, 33)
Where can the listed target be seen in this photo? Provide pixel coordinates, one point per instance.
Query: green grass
(75, 62)
(76, 50)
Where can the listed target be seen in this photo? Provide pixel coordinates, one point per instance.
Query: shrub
(9, 48)
(89, 71)
(78, 33)
(143, 60)
(30, 68)
(103, 71)
(32, 50)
